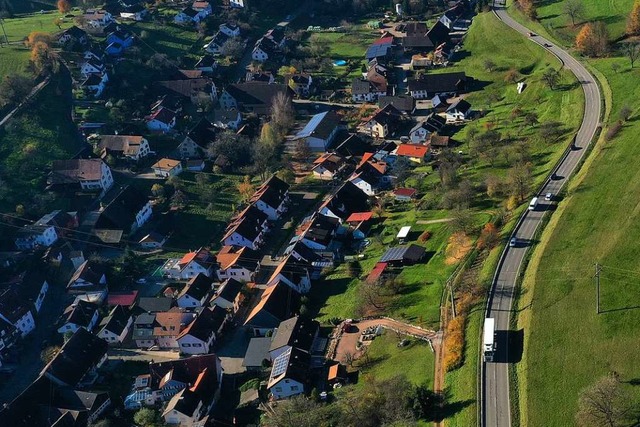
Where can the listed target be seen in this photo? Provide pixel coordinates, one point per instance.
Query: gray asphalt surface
(495, 403)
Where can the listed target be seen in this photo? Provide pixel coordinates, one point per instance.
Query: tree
(402, 169)
(633, 22)
(493, 184)
(58, 23)
(268, 136)
(282, 114)
(160, 62)
(519, 180)
(604, 403)
(179, 199)
(625, 113)
(593, 39)
(512, 76)
(63, 6)
(530, 119)
(38, 36)
(632, 51)
(13, 89)
(551, 77)
(318, 46)
(146, 417)
(49, 353)
(44, 59)
(302, 151)
(233, 48)
(489, 65)
(236, 149)
(528, 8)
(286, 175)
(246, 188)
(551, 131)
(462, 220)
(298, 411)
(573, 8)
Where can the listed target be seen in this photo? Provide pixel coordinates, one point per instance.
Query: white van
(533, 204)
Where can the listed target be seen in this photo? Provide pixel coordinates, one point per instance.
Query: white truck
(533, 204)
(488, 339)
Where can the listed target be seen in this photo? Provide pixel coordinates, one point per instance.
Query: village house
(126, 299)
(320, 132)
(80, 314)
(165, 168)
(132, 147)
(90, 276)
(116, 326)
(292, 273)
(87, 174)
(17, 312)
(247, 229)
(143, 330)
(295, 333)
(272, 198)
(317, 231)
(458, 111)
(417, 153)
(206, 64)
(421, 131)
(257, 356)
(360, 224)
(73, 35)
(121, 37)
(289, 374)
(97, 19)
(199, 137)
(404, 194)
(253, 97)
(46, 231)
(189, 15)
(190, 265)
(403, 103)
(201, 334)
(300, 83)
(347, 200)
(196, 293)
(363, 90)
(198, 91)
(78, 359)
(238, 263)
(230, 28)
(229, 296)
(328, 166)
(403, 255)
(135, 12)
(166, 379)
(153, 240)
(191, 406)
(92, 66)
(32, 287)
(430, 85)
(95, 84)
(168, 326)
(214, 46)
(161, 120)
(383, 122)
(260, 76)
(127, 212)
(381, 50)
(277, 303)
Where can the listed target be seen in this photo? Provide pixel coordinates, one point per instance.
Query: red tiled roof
(188, 258)
(122, 298)
(360, 216)
(383, 40)
(377, 272)
(412, 150)
(406, 192)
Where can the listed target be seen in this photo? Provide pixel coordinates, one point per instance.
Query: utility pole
(453, 303)
(6, 40)
(598, 269)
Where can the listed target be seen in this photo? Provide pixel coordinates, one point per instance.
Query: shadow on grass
(445, 408)
(320, 294)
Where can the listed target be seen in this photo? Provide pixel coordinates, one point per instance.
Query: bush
(613, 130)
(426, 235)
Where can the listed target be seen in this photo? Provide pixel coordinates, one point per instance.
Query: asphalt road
(495, 404)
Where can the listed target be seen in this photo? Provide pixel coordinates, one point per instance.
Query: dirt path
(433, 221)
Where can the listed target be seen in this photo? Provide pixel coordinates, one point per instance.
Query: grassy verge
(568, 345)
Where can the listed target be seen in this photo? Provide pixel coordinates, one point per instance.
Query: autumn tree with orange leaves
(528, 8)
(63, 6)
(633, 22)
(593, 39)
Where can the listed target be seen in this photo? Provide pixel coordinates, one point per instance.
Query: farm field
(567, 345)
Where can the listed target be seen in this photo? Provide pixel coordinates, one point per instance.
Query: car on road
(141, 281)
(530, 34)
(513, 242)
(548, 197)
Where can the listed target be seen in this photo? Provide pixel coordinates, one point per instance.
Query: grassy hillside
(567, 345)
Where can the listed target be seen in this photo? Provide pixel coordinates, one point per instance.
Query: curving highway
(494, 382)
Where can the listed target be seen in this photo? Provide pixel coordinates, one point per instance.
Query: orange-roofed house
(190, 265)
(169, 325)
(292, 273)
(360, 224)
(417, 153)
(237, 262)
(165, 168)
(277, 303)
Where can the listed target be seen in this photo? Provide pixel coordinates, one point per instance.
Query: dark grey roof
(117, 320)
(230, 289)
(360, 86)
(155, 305)
(401, 102)
(296, 332)
(438, 34)
(121, 213)
(257, 351)
(347, 200)
(78, 356)
(80, 313)
(257, 93)
(321, 125)
(439, 83)
(198, 287)
(461, 106)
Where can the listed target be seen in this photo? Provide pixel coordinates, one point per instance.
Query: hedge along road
(494, 388)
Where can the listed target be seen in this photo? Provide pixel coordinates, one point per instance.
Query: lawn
(175, 41)
(414, 361)
(567, 345)
(13, 60)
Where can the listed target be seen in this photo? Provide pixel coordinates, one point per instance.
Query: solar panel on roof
(312, 125)
(280, 364)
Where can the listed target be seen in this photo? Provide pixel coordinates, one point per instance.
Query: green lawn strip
(414, 361)
(13, 60)
(19, 27)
